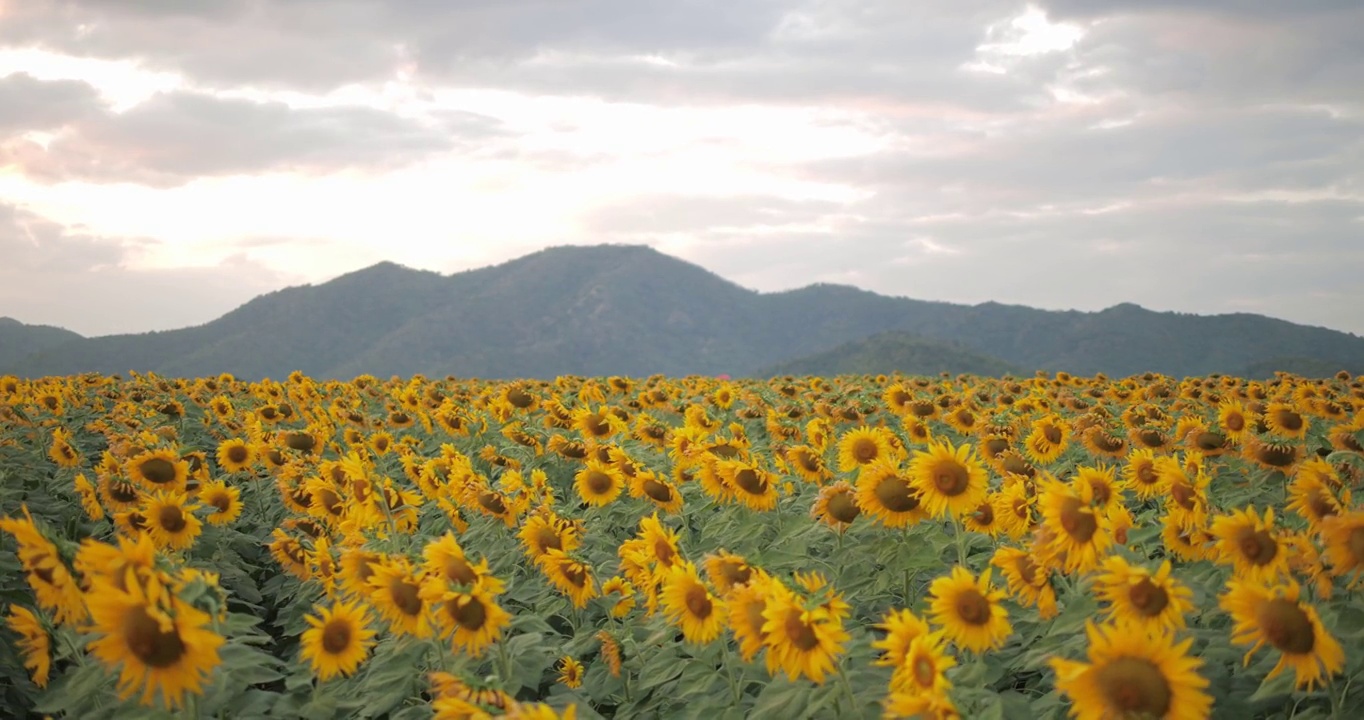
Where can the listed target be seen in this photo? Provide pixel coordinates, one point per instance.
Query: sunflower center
(1021, 509)
(896, 495)
(220, 500)
(1052, 434)
(238, 454)
(1102, 491)
(925, 673)
(753, 612)
(842, 508)
(808, 461)
(1152, 438)
(146, 640)
(1258, 546)
(698, 602)
(1183, 494)
(1146, 474)
(972, 607)
(951, 479)
(1209, 441)
(1289, 420)
(735, 573)
(1319, 505)
(985, 514)
(457, 570)
(1286, 625)
(657, 491)
(1027, 569)
(547, 539)
(994, 446)
(470, 616)
(663, 550)
(724, 450)
(598, 482)
(171, 518)
(491, 502)
(965, 418)
(749, 480)
(1148, 597)
(800, 633)
(405, 597)
(923, 408)
(575, 575)
(303, 442)
(1235, 422)
(864, 450)
(1135, 686)
(1079, 523)
(331, 502)
(336, 637)
(519, 398)
(596, 425)
(158, 470)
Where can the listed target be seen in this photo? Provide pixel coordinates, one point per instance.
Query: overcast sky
(163, 161)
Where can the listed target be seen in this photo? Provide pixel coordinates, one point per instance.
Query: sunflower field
(851, 547)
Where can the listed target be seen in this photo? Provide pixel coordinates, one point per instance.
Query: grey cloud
(52, 275)
(27, 103)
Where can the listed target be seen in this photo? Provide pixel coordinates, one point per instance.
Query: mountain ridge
(632, 310)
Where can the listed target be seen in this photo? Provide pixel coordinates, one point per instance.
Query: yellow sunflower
(1048, 439)
(54, 587)
(968, 610)
(89, 497)
(1249, 543)
(470, 618)
(1343, 536)
(225, 500)
(749, 484)
(1029, 582)
(545, 531)
(34, 643)
(726, 571)
(691, 606)
(888, 496)
(836, 506)
(570, 672)
(61, 452)
(1143, 475)
(236, 455)
(1137, 595)
(1077, 535)
(598, 483)
(1233, 420)
(1284, 420)
(951, 481)
(862, 447)
(159, 643)
(171, 521)
(901, 628)
(656, 489)
(395, 592)
(337, 640)
(802, 638)
(158, 470)
(807, 462)
(1134, 672)
(1273, 614)
(570, 576)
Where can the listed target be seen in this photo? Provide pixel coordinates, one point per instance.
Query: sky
(162, 162)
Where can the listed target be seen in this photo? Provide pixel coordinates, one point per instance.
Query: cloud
(54, 275)
(28, 104)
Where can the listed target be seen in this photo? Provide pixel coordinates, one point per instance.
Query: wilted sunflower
(158, 470)
(34, 643)
(968, 610)
(158, 642)
(1273, 614)
(225, 500)
(1134, 673)
(598, 483)
(862, 447)
(1136, 595)
(888, 495)
(802, 638)
(691, 606)
(1249, 543)
(337, 640)
(950, 481)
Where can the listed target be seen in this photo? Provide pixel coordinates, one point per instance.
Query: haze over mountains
(630, 310)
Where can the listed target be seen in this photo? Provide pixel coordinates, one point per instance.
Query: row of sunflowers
(863, 546)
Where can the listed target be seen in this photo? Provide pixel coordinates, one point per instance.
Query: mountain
(1300, 366)
(894, 351)
(630, 310)
(18, 340)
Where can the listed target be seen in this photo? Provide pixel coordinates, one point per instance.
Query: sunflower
(1314, 500)
(89, 498)
(1343, 536)
(1047, 440)
(802, 639)
(727, 571)
(656, 489)
(226, 502)
(984, 519)
(118, 496)
(1099, 441)
(888, 496)
(545, 531)
(337, 640)
(923, 706)
(1133, 673)
(610, 652)
(470, 618)
(53, 584)
(1249, 543)
(924, 669)
(158, 642)
(395, 592)
(598, 484)
(599, 424)
(1029, 582)
(744, 613)
(1284, 420)
(901, 628)
(748, 483)
(1014, 509)
(570, 672)
(158, 470)
(951, 481)
(1233, 420)
(61, 452)
(691, 606)
(968, 610)
(34, 643)
(1077, 536)
(1099, 484)
(1274, 615)
(1185, 543)
(570, 576)
(807, 462)
(170, 521)
(1143, 476)
(862, 447)
(236, 455)
(836, 506)
(1136, 595)
(1272, 455)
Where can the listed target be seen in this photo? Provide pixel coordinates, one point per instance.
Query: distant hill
(18, 341)
(630, 310)
(894, 351)
(1300, 366)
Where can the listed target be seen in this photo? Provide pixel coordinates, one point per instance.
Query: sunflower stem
(734, 689)
(959, 535)
(847, 689)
